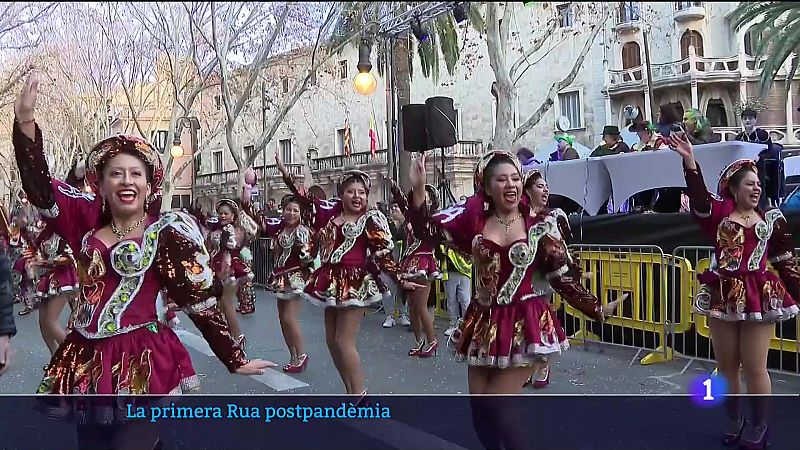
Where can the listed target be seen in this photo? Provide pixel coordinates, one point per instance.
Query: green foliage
(442, 42)
(776, 35)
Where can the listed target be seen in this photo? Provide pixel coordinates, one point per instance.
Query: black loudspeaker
(441, 122)
(415, 135)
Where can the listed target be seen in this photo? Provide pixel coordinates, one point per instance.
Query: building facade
(697, 60)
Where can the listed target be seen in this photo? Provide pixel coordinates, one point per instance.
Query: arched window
(715, 112)
(631, 57)
(693, 38)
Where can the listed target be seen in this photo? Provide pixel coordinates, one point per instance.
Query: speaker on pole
(415, 135)
(441, 122)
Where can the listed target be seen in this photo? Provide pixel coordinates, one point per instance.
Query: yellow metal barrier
(641, 272)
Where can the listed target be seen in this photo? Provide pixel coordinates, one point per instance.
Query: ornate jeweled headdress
(110, 147)
(732, 168)
(353, 173)
(486, 159)
(229, 203)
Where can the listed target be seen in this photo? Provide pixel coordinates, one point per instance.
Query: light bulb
(365, 83)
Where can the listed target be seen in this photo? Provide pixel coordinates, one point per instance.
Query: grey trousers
(458, 289)
(394, 299)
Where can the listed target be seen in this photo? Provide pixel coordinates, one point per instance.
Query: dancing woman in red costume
(537, 193)
(57, 285)
(294, 259)
(346, 231)
(509, 328)
(227, 245)
(418, 264)
(740, 296)
(127, 257)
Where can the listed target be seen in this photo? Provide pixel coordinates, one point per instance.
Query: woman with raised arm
(228, 246)
(291, 241)
(348, 235)
(57, 285)
(740, 296)
(418, 264)
(508, 329)
(126, 257)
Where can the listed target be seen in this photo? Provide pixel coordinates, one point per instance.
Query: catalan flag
(373, 136)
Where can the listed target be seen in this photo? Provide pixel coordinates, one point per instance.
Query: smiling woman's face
(124, 184)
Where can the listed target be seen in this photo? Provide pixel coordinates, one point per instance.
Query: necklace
(745, 218)
(120, 234)
(508, 223)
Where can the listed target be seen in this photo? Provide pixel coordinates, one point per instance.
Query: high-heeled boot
(755, 436)
(735, 423)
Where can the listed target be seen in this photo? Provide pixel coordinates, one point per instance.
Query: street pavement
(595, 369)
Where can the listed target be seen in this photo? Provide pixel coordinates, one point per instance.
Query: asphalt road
(596, 369)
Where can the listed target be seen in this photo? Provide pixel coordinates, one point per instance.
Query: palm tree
(442, 43)
(777, 34)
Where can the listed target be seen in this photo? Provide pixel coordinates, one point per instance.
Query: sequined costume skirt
(514, 335)
(21, 275)
(247, 298)
(58, 281)
(335, 285)
(419, 266)
(288, 283)
(230, 269)
(148, 360)
(756, 296)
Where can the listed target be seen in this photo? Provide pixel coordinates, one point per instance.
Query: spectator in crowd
(697, 127)
(649, 137)
(565, 152)
(669, 114)
(272, 211)
(397, 227)
(526, 158)
(752, 133)
(649, 140)
(7, 328)
(612, 143)
(458, 286)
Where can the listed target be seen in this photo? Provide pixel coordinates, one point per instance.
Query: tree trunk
(503, 88)
(402, 76)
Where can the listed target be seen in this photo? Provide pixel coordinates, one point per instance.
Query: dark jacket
(6, 297)
(570, 154)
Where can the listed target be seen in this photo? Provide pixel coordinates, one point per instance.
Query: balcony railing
(682, 6)
(778, 133)
(628, 12)
(354, 159)
(232, 176)
(336, 162)
(730, 68)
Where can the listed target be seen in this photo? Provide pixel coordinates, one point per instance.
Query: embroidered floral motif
(352, 231)
(730, 238)
(521, 256)
(763, 233)
(131, 262)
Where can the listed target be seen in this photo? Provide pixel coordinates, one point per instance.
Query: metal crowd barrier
(263, 260)
(640, 322)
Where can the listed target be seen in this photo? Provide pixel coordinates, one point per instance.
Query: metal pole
(391, 122)
(649, 75)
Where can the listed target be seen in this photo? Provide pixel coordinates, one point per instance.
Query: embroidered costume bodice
(423, 242)
(120, 284)
(740, 250)
(349, 244)
(53, 248)
(292, 246)
(505, 274)
(232, 238)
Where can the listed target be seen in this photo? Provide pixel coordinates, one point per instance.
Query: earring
(104, 204)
